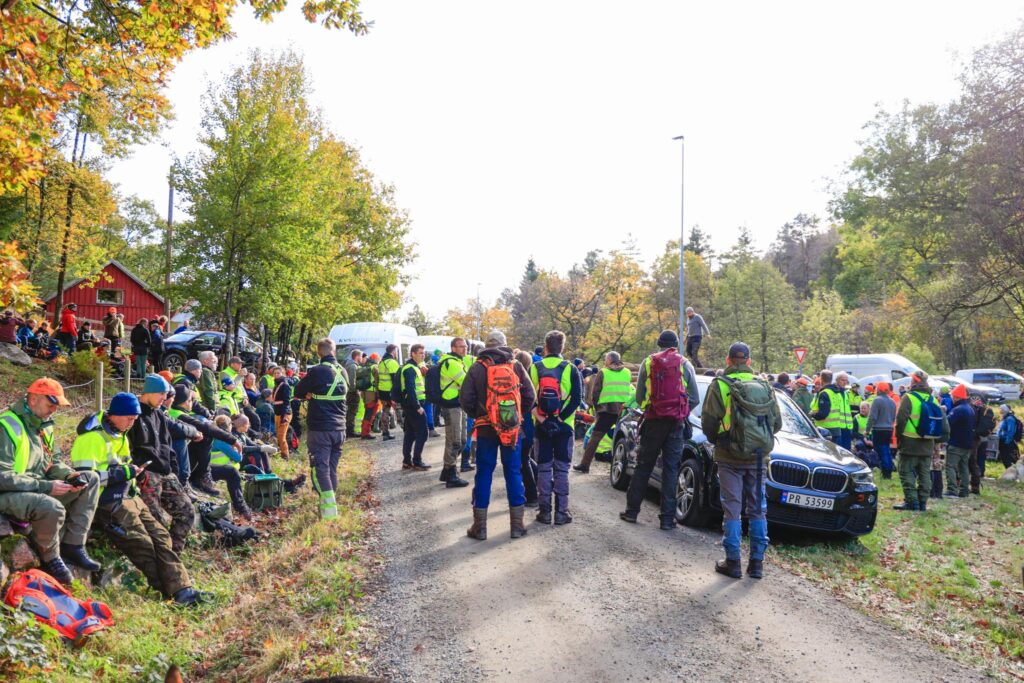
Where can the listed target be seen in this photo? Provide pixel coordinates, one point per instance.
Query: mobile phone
(145, 464)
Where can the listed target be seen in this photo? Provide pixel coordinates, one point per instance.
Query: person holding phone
(35, 486)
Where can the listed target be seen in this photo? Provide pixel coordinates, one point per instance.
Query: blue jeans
(486, 460)
(554, 457)
(740, 494)
(845, 439)
(428, 412)
(469, 440)
(180, 447)
(882, 438)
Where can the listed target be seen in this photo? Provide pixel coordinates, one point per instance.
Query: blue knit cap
(125, 403)
(155, 384)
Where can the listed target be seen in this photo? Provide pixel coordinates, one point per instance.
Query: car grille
(823, 520)
(828, 479)
(789, 473)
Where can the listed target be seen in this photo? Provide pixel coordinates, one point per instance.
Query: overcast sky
(545, 128)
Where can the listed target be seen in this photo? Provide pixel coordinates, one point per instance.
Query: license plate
(805, 501)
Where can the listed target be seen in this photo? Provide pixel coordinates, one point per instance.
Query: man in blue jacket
(325, 387)
(962, 421)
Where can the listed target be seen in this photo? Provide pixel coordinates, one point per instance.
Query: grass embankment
(952, 575)
(285, 607)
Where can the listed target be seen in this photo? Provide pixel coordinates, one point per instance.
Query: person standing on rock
(325, 387)
(696, 330)
(492, 387)
(36, 487)
(743, 441)
(666, 390)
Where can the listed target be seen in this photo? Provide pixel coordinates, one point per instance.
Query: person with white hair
(830, 408)
(208, 384)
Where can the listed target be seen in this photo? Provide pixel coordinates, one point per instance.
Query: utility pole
(682, 238)
(170, 233)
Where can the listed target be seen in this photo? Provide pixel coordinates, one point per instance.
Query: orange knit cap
(959, 393)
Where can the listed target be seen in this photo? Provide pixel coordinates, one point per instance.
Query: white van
(1007, 382)
(436, 342)
(892, 366)
(373, 338)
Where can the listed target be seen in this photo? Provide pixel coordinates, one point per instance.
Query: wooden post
(128, 374)
(99, 386)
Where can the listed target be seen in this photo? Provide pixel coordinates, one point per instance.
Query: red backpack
(503, 404)
(40, 594)
(668, 397)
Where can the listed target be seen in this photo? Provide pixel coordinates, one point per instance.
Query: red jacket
(68, 324)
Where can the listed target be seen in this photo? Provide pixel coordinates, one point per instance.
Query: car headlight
(863, 476)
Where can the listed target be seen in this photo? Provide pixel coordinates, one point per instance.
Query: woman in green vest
(608, 393)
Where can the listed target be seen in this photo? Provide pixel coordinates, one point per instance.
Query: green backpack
(364, 377)
(263, 492)
(754, 411)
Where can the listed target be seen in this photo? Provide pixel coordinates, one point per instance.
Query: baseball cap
(740, 351)
(50, 388)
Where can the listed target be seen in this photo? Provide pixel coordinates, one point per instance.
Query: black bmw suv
(186, 345)
(812, 483)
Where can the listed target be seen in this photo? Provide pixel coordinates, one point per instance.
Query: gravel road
(601, 600)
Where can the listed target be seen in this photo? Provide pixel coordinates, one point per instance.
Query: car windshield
(793, 419)
(181, 337)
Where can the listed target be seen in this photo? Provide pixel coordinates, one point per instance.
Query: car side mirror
(825, 434)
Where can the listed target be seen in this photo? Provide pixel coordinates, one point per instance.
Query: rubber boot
(479, 528)
(515, 515)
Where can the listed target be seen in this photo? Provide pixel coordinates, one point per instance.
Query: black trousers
(414, 436)
(692, 347)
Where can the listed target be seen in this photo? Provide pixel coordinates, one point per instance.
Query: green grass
(951, 575)
(287, 607)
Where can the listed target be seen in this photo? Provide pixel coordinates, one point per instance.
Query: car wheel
(174, 361)
(690, 508)
(617, 474)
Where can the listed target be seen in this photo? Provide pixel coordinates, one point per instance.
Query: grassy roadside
(951, 575)
(283, 608)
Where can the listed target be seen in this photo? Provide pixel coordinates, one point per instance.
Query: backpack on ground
(432, 382)
(753, 407)
(364, 377)
(503, 404)
(263, 492)
(668, 397)
(929, 424)
(52, 604)
(549, 390)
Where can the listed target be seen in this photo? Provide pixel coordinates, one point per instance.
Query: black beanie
(181, 394)
(668, 340)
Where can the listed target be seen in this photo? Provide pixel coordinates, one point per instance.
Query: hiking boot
(755, 568)
(466, 467)
(368, 437)
(76, 555)
(668, 524)
(445, 474)
(581, 468)
(562, 517)
(628, 516)
(479, 528)
(421, 466)
(515, 515)
(922, 506)
(952, 496)
(350, 434)
(207, 486)
(544, 516)
(406, 465)
(906, 506)
(434, 434)
(387, 437)
(532, 503)
(454, 481)
(187, 597)
(192, 494)
(58, 570)
(730, 568)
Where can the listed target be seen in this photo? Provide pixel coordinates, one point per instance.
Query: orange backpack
(52, 604)
(503, 404)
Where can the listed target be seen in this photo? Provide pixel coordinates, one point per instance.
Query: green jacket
(43, 468)
(908, 445)
(803, 398)
(208, 388)
(715, 410)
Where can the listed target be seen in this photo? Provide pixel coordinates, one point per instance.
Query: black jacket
(324, 416)
(409, 372)
(150, 439)
(140, 338)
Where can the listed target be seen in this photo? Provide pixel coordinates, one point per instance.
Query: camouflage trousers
(170, 505)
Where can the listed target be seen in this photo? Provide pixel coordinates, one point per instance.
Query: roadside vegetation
(952, 575)
(288, 605)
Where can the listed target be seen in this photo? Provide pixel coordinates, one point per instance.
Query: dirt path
(601, 600)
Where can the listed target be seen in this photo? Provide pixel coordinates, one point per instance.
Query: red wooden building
(116, 286)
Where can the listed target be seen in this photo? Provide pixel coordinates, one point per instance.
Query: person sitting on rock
(36, 487)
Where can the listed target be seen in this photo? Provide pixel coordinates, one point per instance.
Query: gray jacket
(696, 327)
(883, 413)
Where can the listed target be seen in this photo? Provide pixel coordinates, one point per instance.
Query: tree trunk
(265, 360)
(69, 208)
(39, 226)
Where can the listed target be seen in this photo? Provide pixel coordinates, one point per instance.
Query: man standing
(352, 364)
(497, 380)
(608, 392)
(325, 388)
(453, 374)
(743, 441)
(387, 375)
(281, 399)
(881, 420)
(915, 448)
(67, 333)
(102, 448)
(985, 424)
(830, 410)
(802, 394)
(559, 391)
(666, 390)
(696, 330)
(962, 422)
(414, 396)
(367, 384)
(208, 380)
(36, 487)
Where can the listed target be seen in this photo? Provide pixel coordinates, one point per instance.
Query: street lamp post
(682, 237)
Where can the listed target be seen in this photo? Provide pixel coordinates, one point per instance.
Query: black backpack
(433, 384)
(1018, 428)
